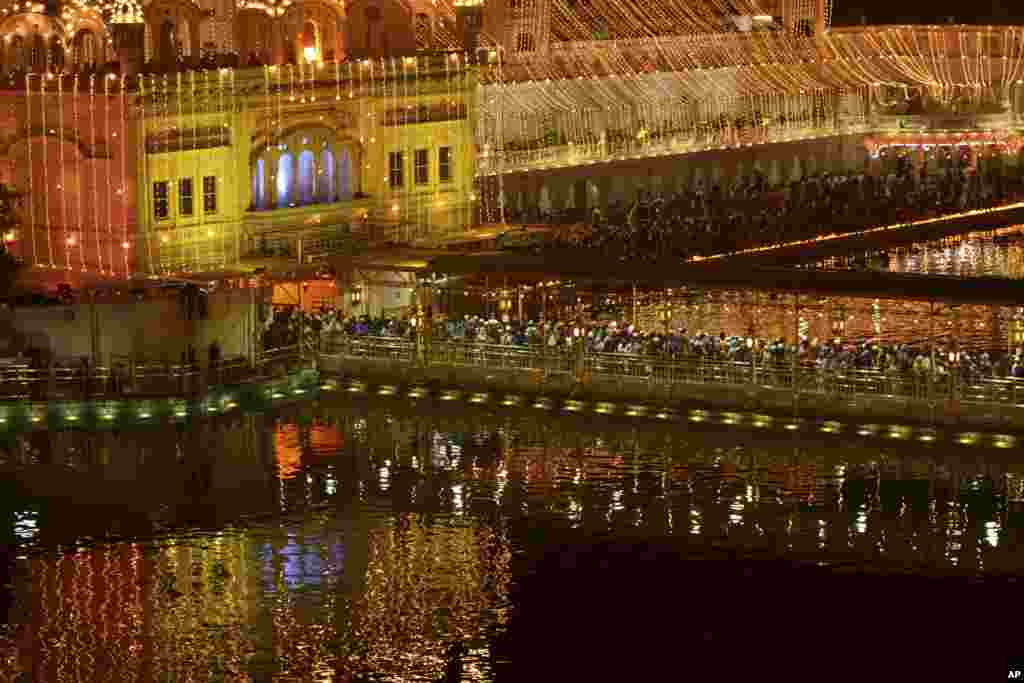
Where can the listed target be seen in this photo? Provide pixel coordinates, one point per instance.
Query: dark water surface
(374, 541)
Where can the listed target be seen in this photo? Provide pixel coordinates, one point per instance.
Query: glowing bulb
(125, 245)
(71, 241)
(309, 53)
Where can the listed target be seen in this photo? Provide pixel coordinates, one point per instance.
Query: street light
(665, 314)
(838, 323)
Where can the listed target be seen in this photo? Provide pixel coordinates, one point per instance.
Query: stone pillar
(195, 43)
(269, 174)
(317, 182)
(727, 165)
(336, 153)
(617, 189)
(603, 191)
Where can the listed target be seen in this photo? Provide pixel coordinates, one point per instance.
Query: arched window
(284, 180)
(37, 57)
(307, 182)
(328, 188)
(56, 53)
(259, 179)
(310, 43)
(344, 175)
(524, 42)
(17, 57)
(83, 49)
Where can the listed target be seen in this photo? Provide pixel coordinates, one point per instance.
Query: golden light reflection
(427, 587)
(287, 450)
(390, 596)
(104, 613)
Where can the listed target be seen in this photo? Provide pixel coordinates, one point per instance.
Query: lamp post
(838, 323)
(357, 297)
(1016, 337)
(505, 305)
(665, 314)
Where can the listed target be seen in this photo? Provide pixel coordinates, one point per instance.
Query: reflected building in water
(373, 539)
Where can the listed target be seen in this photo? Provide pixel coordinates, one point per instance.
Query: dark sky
(927, 12)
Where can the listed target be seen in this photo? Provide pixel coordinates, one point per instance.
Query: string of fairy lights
(709, 89)
(600, 79)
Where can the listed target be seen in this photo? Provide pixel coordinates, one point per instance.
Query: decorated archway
(313, 29)
(306, 164)
(172, 28)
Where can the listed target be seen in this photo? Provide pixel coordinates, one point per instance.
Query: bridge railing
(802, 378)
(140, 377)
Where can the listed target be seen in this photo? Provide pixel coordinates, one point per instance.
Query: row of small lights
(635, 410)
(698, 148)
(144, 411)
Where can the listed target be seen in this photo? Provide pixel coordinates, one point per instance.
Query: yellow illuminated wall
(373, 140)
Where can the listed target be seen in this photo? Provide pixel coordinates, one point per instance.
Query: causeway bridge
(655, 386)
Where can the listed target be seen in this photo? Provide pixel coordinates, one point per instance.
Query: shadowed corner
(594, 610)
(9, 498)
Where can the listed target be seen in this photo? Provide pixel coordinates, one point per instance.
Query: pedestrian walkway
(949, 389)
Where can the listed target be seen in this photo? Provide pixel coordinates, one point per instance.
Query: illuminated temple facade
(175, 136)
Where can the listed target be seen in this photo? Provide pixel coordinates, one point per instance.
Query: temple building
(173, 136)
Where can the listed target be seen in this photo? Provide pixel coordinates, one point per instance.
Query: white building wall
(154, 329)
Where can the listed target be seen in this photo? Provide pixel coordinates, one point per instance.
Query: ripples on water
(348, 539)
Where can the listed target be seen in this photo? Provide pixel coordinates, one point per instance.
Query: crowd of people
(328, 329)
(286, 324)
(753, 212)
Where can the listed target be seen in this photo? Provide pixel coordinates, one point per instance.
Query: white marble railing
(561, 156)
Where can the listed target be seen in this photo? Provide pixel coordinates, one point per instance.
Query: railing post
(753, 363)
(796, 348)
(931, 351)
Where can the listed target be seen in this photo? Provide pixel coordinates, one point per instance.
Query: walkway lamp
(357, 296)
(838, 323)
(665, 315)
(1017, 331)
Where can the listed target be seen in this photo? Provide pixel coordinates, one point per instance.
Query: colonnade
(29, 50)
(283, 178)
(589, 186)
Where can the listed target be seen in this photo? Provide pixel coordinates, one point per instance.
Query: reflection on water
(353, 539)
(997, 253)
